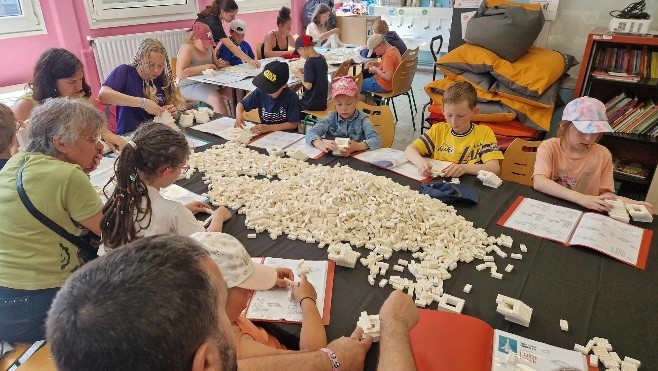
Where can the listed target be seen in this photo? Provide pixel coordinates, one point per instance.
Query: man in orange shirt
(382, 79)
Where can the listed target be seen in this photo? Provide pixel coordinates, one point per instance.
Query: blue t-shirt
(315, 72)
(225, 54)
(284, 108)
(126, 80)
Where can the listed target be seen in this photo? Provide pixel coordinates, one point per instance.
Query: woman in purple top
(142, 89)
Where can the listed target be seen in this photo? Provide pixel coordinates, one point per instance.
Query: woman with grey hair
(35, 261)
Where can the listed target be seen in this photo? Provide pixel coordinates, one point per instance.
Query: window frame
(30, 23)
(258, 6)
(105, 18)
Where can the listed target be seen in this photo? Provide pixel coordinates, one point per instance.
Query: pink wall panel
(68, 27)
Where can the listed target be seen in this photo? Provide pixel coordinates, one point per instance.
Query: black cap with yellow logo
(274, 76)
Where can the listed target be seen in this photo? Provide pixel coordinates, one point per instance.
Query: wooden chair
(343, 69)
(42, 360)
(402, 79)
(411, 53)
(172, 64)
(435, 53)
(7, 361)
(259, 51)
(382, 120)
(519, 162)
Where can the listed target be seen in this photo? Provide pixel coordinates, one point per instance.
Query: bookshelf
(622, 71)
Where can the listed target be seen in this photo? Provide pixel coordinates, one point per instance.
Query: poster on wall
(549, 7)
(465, 17)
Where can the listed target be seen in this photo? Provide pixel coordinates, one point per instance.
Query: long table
(598, 295)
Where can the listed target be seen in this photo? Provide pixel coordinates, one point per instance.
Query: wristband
(143, 103)
(335, 365)
(307, 297)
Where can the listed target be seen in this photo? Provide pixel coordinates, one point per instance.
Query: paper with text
(544, 220)
(534, 354)
(279, 139)
(215, 126)
(274, 305)
(310, 151)
(396, 161)
(612, 237)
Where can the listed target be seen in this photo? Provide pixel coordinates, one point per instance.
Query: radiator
(112, 51)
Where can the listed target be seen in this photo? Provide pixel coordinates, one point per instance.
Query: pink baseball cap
(202, 31)
(344, 85)
(588, 115)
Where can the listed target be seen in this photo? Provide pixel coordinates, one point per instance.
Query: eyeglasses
(93, 140)
(183, 168)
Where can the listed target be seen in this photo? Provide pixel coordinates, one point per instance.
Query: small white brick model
(343, 255)
(514, 310)
(186, 120)
(449, 303)
(639, 213)
(342, 142)
(202, 115)
(454, 180)
(303, 267)
(509, 268)
(467, 288)
(489, 179)
(618, 211)
(383, 282)
(369, 323)
(564, 325)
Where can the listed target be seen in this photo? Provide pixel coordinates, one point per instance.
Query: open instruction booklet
(624, 242)
(395, 161)
(274, 305)
(474, 345)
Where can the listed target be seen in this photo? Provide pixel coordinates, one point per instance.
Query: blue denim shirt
(358, 128)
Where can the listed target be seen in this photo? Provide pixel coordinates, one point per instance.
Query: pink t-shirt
(590, 174)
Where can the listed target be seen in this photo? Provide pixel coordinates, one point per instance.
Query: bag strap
(75, 240)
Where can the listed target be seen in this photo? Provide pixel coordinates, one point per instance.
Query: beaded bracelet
(335, 364)
(143, 103)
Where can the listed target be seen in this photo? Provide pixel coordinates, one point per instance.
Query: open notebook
(275, 306)
(395, 161)
(624, 242)
(469, 344)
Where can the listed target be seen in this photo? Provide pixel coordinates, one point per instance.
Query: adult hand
(197, 207)
(304, 289)
(281, 275)
(453, 171)
(399, 309)
(260, 129)
(351, 351)
(115, 142)
(325, 145)
(222, 213)
(153, 108)
(597, 203)
(254, 63)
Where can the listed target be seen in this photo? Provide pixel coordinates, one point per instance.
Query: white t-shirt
(168, 217)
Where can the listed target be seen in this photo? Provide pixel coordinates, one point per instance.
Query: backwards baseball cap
(235, 263)
(450, 192)
(202, 32)
(343, 85)
(239, 26)
(588, 115)
(273, 77)
(373, 41)
(304, 40)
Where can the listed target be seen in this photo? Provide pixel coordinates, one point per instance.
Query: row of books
(630, 169)
(632, 115)
(626, 64)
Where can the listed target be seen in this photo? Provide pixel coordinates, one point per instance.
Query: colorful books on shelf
(275, 305)
(626, 64)
(624, 242)
(630, 169)
(473, 344)
(632, 115)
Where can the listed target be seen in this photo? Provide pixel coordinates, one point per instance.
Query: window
(253, 6)
(113, 13)
(21, 18)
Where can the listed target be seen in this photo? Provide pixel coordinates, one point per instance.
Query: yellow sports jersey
(477, 146)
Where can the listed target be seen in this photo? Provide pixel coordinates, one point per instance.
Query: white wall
(576, 18)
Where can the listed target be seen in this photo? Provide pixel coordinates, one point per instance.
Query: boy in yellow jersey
(469, 147)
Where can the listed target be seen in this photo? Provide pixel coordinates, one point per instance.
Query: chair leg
(411, 111)
(414, 99)
(395, 111)
(422, 120)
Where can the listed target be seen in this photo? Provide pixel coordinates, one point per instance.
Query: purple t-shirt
(126, 80)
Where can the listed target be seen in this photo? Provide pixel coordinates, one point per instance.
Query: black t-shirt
(315, 72)
(215, 25)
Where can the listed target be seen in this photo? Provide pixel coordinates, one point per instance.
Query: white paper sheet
(395, 161)
(544, 220)
(214, 127)
(549, 7)
(310, 151)
(609, 236)
(534, 354)
(274, 304)
(467, 3)
(194, 142)
(279, 139)
(465, 17)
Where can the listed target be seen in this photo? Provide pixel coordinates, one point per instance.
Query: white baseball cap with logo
(235, 263)
(238, 25)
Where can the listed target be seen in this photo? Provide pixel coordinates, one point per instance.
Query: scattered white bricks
(489, 179)
(251, 235)
(509, 268)
(210, 72)
(564, 325)
(639, 213)
(618, 211)
(516, 256)
(369, 323)
(514, 310)
(505, 240)
(467, 288)
(275, 151)
(603, 353)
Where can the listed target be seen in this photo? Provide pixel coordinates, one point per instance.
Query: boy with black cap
(314, 75)
(278, 105)
(238, 29)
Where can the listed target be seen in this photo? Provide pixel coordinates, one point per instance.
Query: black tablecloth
(598, 295)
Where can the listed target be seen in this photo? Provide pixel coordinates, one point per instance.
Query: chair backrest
(382, 120)
(259, 51)
(435, 52)
(358, 79)
(343, 69)
(411, 53)
(519, 162)
(403, 76)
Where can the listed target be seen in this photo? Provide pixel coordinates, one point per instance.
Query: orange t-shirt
(589, 174)
(390, 61)
(257, 333)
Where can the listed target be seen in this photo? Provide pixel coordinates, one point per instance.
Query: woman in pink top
(574, 166)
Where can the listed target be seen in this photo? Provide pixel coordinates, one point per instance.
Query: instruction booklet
(624, 242)
(395, 161)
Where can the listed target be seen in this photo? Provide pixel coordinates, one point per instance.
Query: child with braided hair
(153, 159)
(143, 89)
